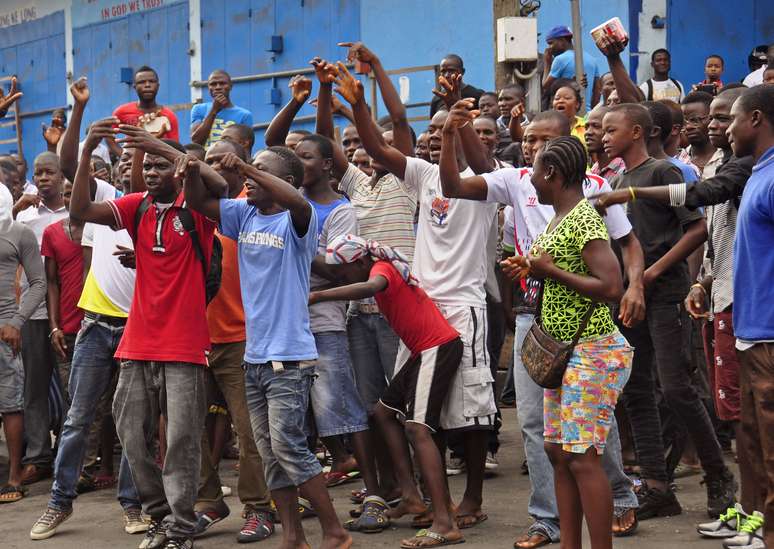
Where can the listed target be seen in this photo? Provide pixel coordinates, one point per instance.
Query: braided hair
(567, 155)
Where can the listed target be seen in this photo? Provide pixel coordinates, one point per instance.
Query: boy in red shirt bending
(419, 387)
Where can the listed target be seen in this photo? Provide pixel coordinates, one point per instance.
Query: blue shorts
(336, 403)
(278, 401)
(11, 381)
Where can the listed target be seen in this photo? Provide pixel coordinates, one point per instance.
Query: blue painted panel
(733, 36)
(158, 38)
(34, 51)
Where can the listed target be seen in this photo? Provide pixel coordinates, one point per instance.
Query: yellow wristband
(697, 285)
(631, 192)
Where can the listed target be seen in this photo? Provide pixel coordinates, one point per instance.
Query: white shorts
(470, 403)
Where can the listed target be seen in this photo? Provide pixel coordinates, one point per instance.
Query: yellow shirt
(579, 129)
(94, 300)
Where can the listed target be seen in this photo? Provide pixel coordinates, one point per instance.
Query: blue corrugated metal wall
(35, 52)
(158, 38)
(235, 37)
(729, 29)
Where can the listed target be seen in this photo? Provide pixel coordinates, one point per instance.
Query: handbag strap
(584, 323)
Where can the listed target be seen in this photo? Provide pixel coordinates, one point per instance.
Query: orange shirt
(225, 315)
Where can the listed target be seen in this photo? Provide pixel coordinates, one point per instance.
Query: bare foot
(345, 466)
(407, 507)
(343, 541)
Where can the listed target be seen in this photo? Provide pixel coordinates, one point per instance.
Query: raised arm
(474, 151)
(472, 188)
(515, 129)
(6, 100)
(279, 128)
(138, 138)
(401, 134)
(326, 75)
(81, 204)
(68, 152)
(200, 130)
(628, 91)
(197, 196)
(351, 292)
(351, 89)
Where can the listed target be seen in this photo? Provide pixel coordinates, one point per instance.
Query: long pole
(578, 44)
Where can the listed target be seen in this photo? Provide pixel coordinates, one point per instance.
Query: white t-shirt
(450, 256)
(115, 280)
(665, 89)
(755, 78)
(514, 187)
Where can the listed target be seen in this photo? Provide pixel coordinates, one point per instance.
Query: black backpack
(213, 272)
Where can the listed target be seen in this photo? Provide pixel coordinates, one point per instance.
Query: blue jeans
(90, 374)
(336, 403)
(278, 401)
(542, 499)
(373, 346)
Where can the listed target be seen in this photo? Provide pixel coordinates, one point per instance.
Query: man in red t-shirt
(419, 387)
(165, 342)
(145, 112)
(63, 256)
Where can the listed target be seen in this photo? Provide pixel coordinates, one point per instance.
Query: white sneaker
(727, 526)
(455, 466)
(750, 534)
(134, 522)
(491, 462)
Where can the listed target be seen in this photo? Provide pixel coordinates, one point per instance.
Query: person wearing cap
(559, 60)
(755, 78)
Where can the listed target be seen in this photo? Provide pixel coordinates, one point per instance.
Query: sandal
(622, 517)
(337, 478)
(469, 521)
(357, 496)
(373, 518)
(537, 535)
(11, 494)
(427, 538)
(104, 481)
(423, 520)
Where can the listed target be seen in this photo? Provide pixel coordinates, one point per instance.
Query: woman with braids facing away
(579, 271)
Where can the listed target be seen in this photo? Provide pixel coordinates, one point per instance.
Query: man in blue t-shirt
(208, 120)
(559, 60)
(752, 133)
(276, 232)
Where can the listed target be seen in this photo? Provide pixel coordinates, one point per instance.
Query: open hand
(52, 134)
(80, 91)
(301, 87)
(450, 89)
(6, 100)
(515, 267)
(349, 87)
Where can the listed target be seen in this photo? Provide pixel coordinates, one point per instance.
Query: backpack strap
(190, 227)
(649, 82)
(677, 85)
(139, 212)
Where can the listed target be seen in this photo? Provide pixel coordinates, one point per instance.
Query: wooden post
(578, 45)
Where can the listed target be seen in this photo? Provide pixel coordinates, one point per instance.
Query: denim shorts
(373, 346)
(336, 403)
(11, 381)
(278, 399)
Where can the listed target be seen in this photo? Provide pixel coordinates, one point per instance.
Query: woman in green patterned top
(579, 270)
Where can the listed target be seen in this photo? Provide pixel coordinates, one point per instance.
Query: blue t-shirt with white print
(274, 268)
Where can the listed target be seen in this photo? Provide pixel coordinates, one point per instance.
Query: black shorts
(418, 389)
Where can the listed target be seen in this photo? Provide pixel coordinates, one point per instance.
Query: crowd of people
(334, 306)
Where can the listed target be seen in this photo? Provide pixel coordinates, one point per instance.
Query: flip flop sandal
(462, 523)
(435, 540)
(619, 516)
(373, 518)
(305, 509)
(336, 478)
(531, 540)
(12, 494)
(357, 496)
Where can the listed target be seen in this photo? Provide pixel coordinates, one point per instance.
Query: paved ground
(97, 521)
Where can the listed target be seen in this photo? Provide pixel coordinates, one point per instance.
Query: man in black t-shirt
(668, 236)
(451, 66)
